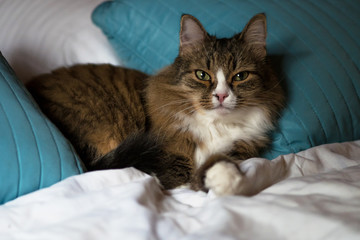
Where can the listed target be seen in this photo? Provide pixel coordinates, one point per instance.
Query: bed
(312, 168)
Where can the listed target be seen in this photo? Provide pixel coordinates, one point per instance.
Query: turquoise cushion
(314, 44)
(33, 153)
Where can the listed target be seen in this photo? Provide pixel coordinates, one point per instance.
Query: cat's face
(223, 75)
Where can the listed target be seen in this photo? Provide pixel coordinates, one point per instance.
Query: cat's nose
(221, 97)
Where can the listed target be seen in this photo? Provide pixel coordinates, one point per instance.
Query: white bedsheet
(318, 199)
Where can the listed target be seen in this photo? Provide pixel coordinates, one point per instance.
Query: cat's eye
(202, 75)
(241, 76)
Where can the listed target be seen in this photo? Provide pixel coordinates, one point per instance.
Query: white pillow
(40, 35)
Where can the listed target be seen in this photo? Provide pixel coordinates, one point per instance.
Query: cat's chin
(222, 110)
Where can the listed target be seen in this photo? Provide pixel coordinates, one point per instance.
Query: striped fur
(215, 103)
(95, 106)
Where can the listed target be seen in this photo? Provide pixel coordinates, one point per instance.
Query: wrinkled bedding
(314, 194)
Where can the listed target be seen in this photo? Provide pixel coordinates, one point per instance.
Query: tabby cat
(191, 123)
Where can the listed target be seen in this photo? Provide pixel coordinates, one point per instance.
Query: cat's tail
(146, 153)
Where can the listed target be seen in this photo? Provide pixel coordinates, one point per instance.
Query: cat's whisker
(177, 102)
(276, 85)
(173, 116)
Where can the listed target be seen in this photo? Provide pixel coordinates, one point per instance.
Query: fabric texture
(319, 199)
(315, 45)
(33, 153)
(39, 36)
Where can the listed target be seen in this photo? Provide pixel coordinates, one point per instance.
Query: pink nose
(221, 96)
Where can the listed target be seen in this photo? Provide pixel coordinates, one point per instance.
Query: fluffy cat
(191, 123)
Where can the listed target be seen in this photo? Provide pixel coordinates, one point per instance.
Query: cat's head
(222, 76)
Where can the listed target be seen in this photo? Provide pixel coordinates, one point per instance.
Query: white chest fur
(218, 133)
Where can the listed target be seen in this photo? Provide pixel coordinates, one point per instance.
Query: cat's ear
(254, 34)
(191, 31)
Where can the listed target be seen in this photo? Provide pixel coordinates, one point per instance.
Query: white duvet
(319, 198)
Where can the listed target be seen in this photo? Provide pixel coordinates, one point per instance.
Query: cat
(189, 124)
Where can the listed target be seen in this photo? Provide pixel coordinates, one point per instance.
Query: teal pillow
(33, 153)
(314, 44)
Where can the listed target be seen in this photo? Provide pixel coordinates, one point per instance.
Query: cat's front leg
(221, 175)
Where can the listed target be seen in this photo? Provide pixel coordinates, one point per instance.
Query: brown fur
(99, 106)
(95, 106)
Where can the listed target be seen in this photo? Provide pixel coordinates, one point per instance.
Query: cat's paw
(224, 178)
